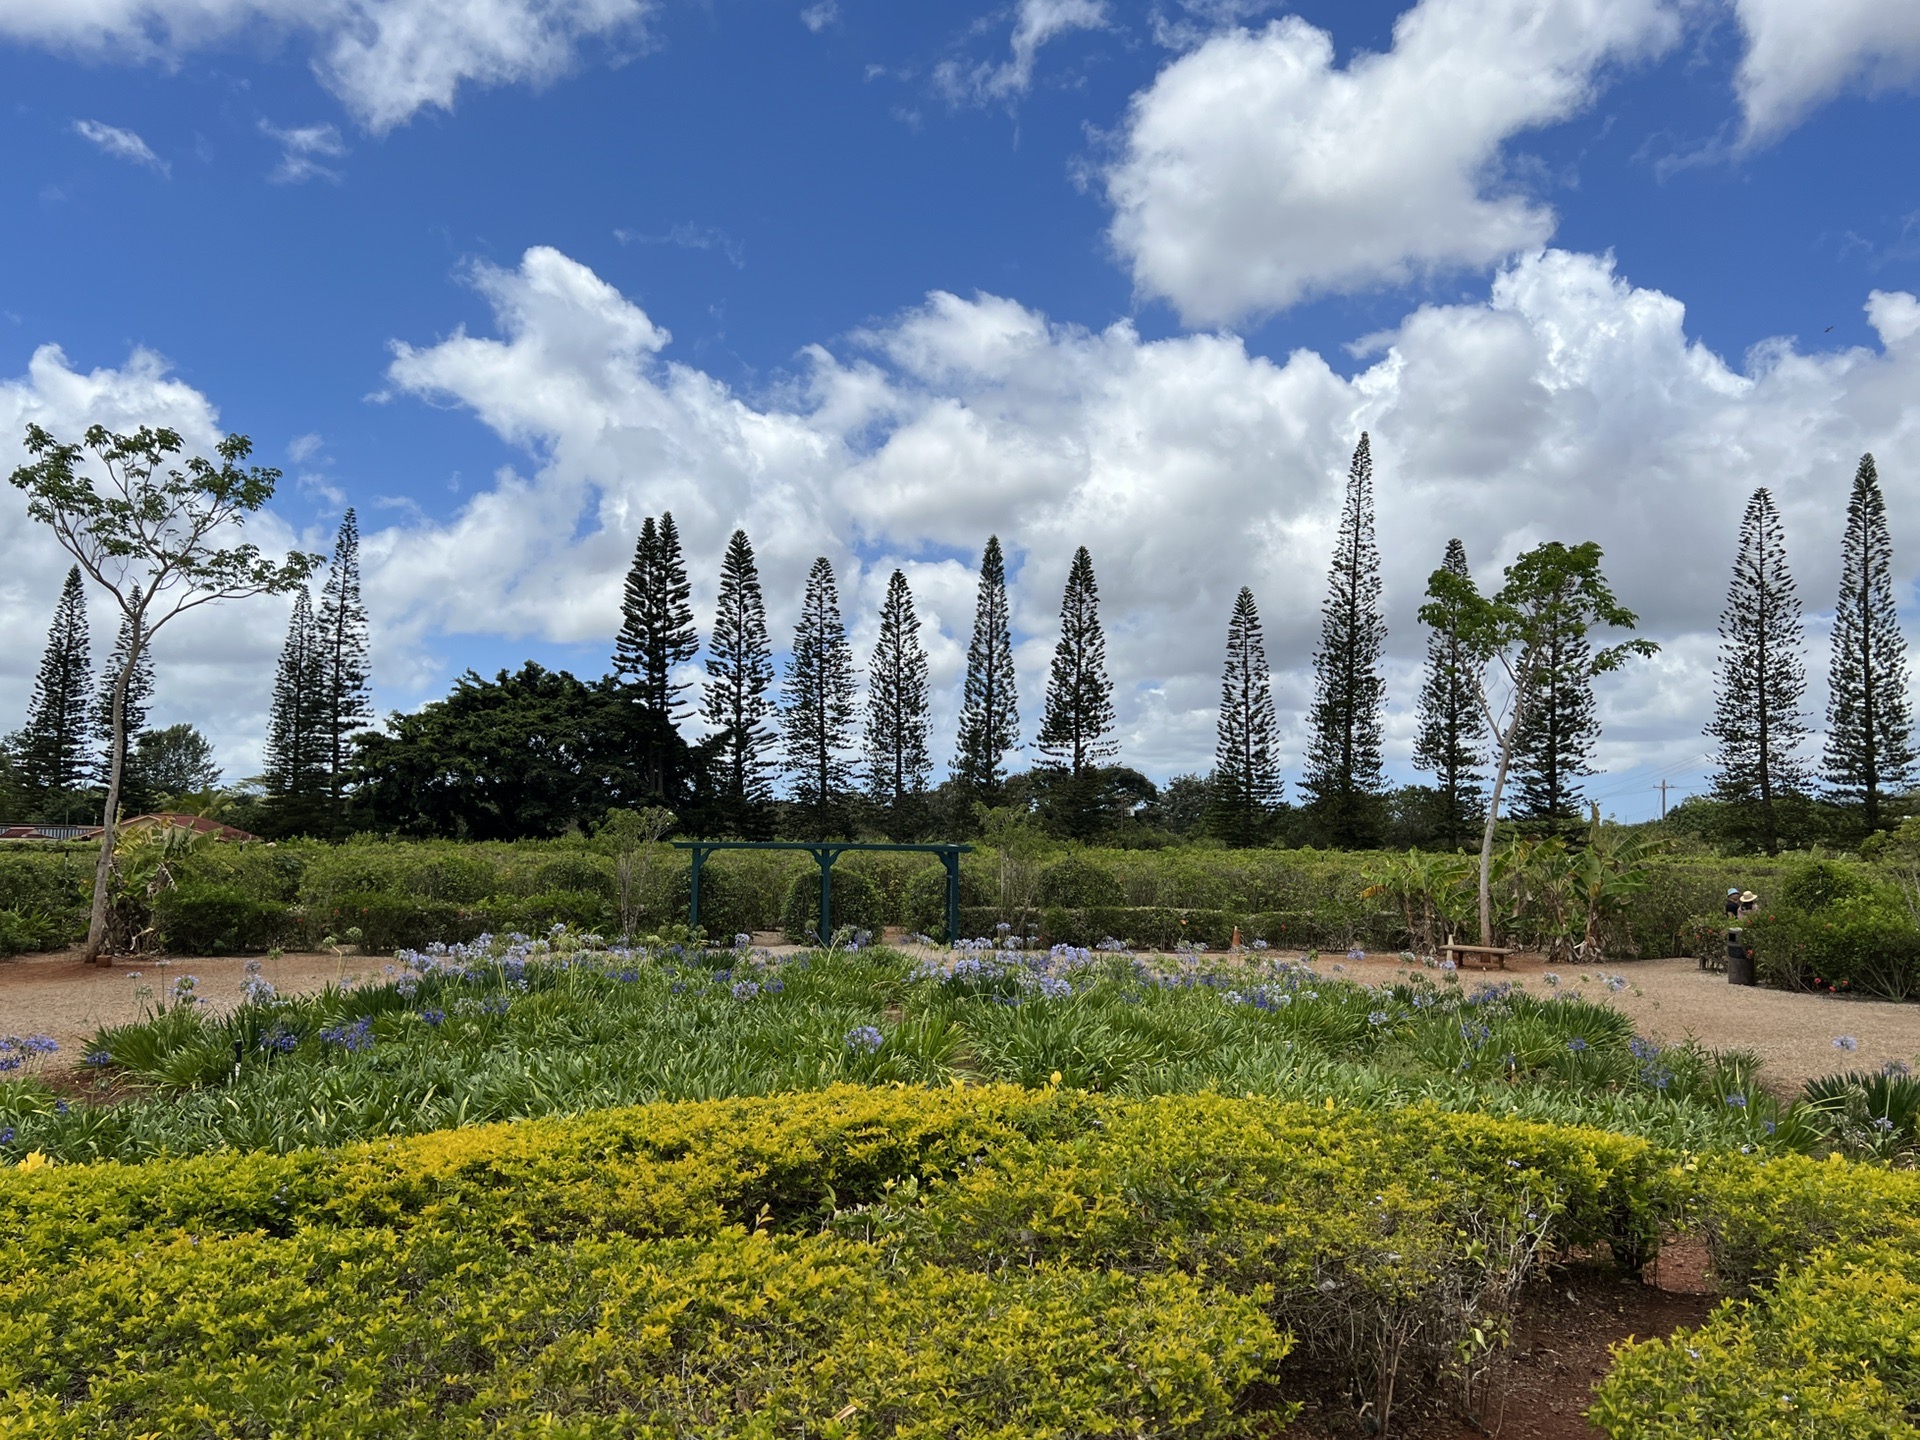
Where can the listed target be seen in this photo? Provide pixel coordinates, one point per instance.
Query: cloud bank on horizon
(1257, 170)
(1568, 403)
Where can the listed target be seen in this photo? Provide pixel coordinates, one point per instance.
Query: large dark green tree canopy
(527, 753)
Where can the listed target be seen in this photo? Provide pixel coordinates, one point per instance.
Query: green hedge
(994, 1262)
(1829, 1345)
(446, 890)
(854, 900)
(202, 919)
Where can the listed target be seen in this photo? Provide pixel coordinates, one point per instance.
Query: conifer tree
(817, 709)
(341, 638)
(139, 694)
(735, 703)
(897, 763)
(1344, 781)
(1245, 786)
(54, 752)
(989, 702)
(1757, 720)
(297, 732)
(633, 646)
(1450, 744)
(1077, 724)
(656, 634)
(1870, 749)
(1558, 724)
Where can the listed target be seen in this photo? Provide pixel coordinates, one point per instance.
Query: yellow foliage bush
(851, 1261)
(1829, 1345)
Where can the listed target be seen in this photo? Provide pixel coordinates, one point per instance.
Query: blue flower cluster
(15, 1052)
(353, 1038)
(864, 1039)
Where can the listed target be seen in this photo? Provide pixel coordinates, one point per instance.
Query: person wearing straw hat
(1749, 902)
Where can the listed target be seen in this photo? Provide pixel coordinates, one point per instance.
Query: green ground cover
(853, 1193)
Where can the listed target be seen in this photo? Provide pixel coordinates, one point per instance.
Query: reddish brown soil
(1569, 1322)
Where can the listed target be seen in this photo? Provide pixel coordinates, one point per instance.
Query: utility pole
(1663, 799)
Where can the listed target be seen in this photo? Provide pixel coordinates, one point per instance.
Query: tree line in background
(799, 754)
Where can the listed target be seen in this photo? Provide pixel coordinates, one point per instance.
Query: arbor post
(693, 887)
(951, 859)
(826, 858)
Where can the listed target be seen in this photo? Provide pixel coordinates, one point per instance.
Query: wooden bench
(1477, 957)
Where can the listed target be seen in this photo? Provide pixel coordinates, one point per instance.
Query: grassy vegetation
(516, 1028)
(853, 1192)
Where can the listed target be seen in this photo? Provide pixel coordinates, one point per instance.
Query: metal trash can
(1739, 960)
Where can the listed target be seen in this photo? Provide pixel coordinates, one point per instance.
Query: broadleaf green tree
(817, 708)
(1244, 790)
(897, 764)
(1344, 779)
(154, 535)
(735, 701)
(528, 754)
(173, 761)
(1870, 750)
(1552, 589)
(989, 701)
(1757, 724)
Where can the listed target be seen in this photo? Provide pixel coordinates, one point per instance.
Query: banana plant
(1609, 870)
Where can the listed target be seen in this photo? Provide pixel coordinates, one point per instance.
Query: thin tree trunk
(117, 743)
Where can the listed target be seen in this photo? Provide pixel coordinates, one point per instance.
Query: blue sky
(1573, 262)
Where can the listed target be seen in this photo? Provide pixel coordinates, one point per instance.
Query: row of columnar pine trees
(1764, 780)
(57, 763)
(321, 699)
(811, 729)
(807, 724)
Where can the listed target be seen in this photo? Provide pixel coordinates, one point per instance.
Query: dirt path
(57, 995)
(1670, 999)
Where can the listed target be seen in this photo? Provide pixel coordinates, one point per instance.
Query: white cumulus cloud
(385, 59)
(1801, 53)
(1256, 172)
(121, 144)
(1569, 404)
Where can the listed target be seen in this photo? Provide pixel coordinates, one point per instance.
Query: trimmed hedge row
(406, 894)
(850, 1261)
(1829, 1344)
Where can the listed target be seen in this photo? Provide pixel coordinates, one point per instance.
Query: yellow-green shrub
(1829, 1346)
(1384, 1238)
(376, 1332)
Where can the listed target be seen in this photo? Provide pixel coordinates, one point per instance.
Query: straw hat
(1747, 897)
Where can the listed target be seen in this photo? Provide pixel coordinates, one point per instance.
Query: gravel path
(1669, 999)
(1672, 1000)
